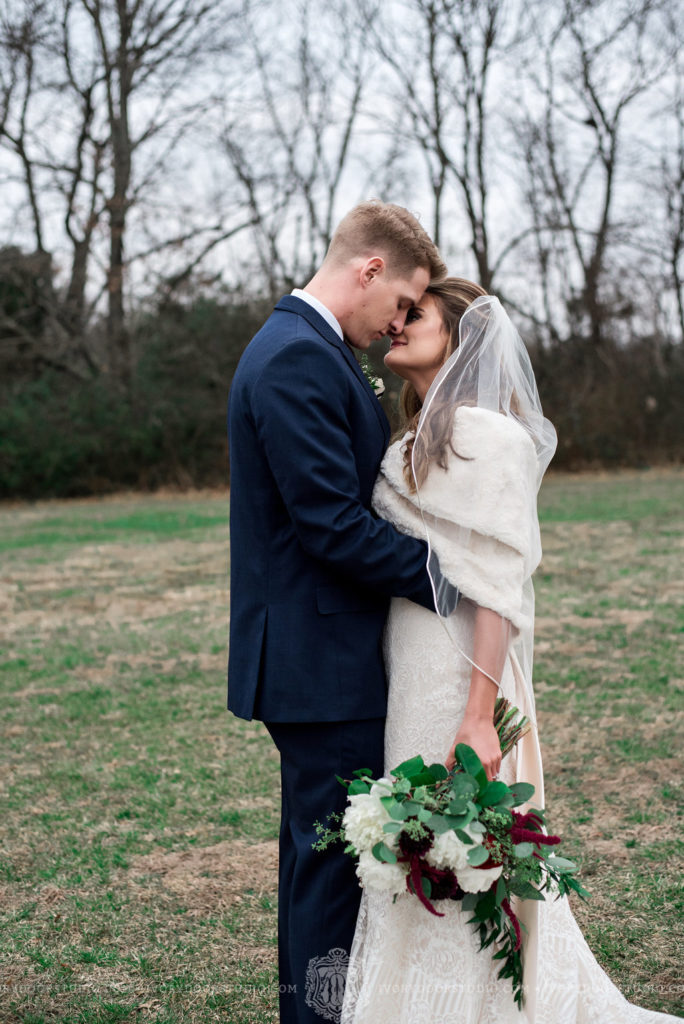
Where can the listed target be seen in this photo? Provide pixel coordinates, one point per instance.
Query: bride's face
(419, 351)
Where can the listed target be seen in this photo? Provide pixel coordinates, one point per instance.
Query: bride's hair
(452, 296)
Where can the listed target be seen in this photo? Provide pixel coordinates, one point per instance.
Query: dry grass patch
(210, 879)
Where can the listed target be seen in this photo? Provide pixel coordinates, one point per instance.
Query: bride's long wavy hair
(452, 296)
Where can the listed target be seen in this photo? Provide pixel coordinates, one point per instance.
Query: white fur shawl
(481, 510)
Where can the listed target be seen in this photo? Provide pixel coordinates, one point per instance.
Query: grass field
(138, 860)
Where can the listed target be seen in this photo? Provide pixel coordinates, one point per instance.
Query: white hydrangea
(363, 820)
(448, 851)
(478, 879)
(379, 877)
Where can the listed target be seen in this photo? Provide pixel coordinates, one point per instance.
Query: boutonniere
(376, 383)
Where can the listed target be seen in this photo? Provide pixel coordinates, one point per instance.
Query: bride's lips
(397, 344)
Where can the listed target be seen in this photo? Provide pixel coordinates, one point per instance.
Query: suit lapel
(291, 304)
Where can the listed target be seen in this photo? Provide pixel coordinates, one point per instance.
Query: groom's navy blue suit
(312, 571)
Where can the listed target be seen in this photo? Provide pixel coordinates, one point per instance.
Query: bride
(466, 474)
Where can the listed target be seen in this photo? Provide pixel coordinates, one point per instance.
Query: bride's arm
(490, 648)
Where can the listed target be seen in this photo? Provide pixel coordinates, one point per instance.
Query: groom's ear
(371, 269)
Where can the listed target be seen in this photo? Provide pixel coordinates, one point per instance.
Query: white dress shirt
(329, 318)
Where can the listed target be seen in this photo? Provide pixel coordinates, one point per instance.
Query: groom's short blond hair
(375, 228)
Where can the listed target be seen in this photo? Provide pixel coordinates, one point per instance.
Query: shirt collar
(329, 318)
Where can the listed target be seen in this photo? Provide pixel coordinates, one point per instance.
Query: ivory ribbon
(528, 769)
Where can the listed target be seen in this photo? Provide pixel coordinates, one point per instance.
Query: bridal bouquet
(455, 835)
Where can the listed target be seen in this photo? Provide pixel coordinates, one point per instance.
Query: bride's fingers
(491, 767)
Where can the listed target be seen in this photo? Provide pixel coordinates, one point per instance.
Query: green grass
(137, 867)
(631, 496)
(90, 524)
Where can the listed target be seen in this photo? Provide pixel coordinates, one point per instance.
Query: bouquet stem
(507, 724)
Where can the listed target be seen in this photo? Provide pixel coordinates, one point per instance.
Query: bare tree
(23, 33)
(304, 102)
(444, 54)
(146, 49)
(672, 171)
(96, 96)
(593, 65)
(28, 77)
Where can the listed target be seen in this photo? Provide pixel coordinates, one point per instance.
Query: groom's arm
(299, 405)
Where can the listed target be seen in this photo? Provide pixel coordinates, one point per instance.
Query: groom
(312, 569)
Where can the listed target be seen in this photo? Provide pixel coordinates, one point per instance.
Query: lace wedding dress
(406, 966)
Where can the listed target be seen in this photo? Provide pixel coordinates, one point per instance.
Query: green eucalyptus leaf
(561, 864)
(438, 771)
(458, 805)
(470, 900)
(477, 826)
(397, 811)
(409, 768)
(464, 837)
(522, 791)
(501, 891)
(455, 822)
(492, 793)
(464, 785)
(421, 779)
(357, 787)
(424, 815)
(466, 756)
(525, 890)
(384, 854)
(523, 850)
(392, 826)
(477, 855)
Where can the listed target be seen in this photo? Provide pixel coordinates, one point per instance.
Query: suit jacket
(312, 567)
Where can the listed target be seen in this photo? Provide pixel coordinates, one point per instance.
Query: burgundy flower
(523, 835)
(443, 882)
(506, 907)
(529, 820)
(527, 829)
(414, 884)
(416, 847)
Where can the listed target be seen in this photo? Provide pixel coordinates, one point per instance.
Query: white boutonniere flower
(377, 383)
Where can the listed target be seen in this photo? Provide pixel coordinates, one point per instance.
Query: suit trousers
(318, 893)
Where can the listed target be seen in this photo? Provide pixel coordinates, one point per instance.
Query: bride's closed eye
(413, 314)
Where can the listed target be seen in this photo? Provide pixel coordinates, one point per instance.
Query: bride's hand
(481, 735)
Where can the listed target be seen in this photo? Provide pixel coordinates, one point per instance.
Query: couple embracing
(335, 640)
